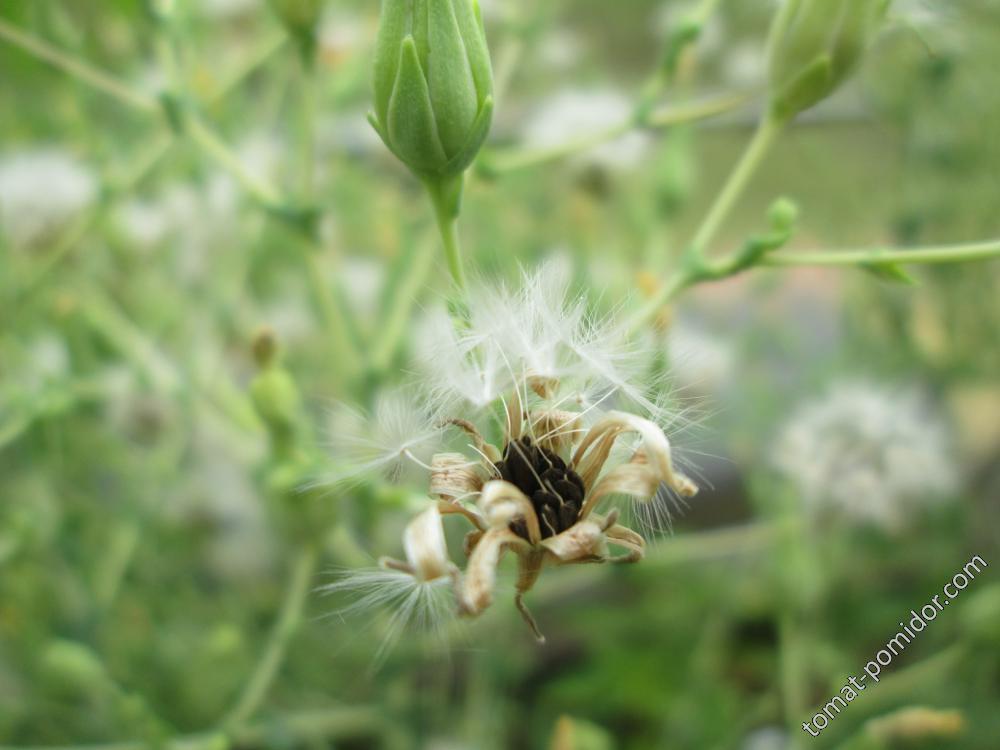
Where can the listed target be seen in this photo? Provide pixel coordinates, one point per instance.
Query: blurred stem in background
(137, 349)
(78, 68)
(178, 113)
(288, 622)
(500, 162)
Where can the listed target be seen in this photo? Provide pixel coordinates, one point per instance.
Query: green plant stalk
(215, 148)
(514, 159)
(269, 197)
(396, 321)
(307, 124)
(285, 627)
(331, 314)
(963, 253)
(794, 550)
(446, 197)
(680, 39)
(764, 137)
(248, 66)
(75, 233)
(686, 277)
(793, 686)
(77, 68)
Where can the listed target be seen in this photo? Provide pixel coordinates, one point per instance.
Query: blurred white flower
(349, 133)
(713, 34)
(40, 192)
(225, 10)
(221, 496)
(198, 218)
(766, 738)
(929, 13)
(48, 357)
(262, 154)
(560, 49)
(744, 64)
(192, 218)
(570, 115)
(361, 280)
(869, 451)
(699, 360)
(342, 34)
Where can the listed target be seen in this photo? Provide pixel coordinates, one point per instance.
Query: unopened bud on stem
(433, 84)
(814, 47)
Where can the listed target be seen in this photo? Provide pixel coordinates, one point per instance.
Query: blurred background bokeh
(847, 429)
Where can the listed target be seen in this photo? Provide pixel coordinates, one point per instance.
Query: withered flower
(528, 383)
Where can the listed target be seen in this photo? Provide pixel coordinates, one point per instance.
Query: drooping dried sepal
(425, 547)
(433, 84)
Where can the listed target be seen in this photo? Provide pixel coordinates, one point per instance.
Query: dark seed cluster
(554, 489)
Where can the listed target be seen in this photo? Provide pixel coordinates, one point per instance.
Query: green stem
(398, 318)
(214, 147)
(694, 266)
(764, 137)
(446, 195)
(307, 123)
(689, 276)
(680, 39)
(288, 622)
(79, 229)
(246, 68)
(676, 284)
(79, 69)
(964, 253)
(792, 681)
(512, 160)
(342, 347)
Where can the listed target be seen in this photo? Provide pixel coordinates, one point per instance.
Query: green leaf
(410, 123)
(477, 136)
(889, 272)
(391, 32)
(449, 78)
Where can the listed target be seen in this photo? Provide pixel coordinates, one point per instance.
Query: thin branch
(513, 159)
(288, 622)
(963, 253)
(77, 68)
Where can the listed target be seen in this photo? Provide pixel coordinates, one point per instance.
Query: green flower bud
(433, 84)
(73, 667)
(274, 394)
(814, 47)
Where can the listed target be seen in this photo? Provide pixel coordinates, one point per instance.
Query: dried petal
(480, 576)
(555, 430)
(426, 550)
(654, 444)
(502, 503)
(583, 542)
(453, 476)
